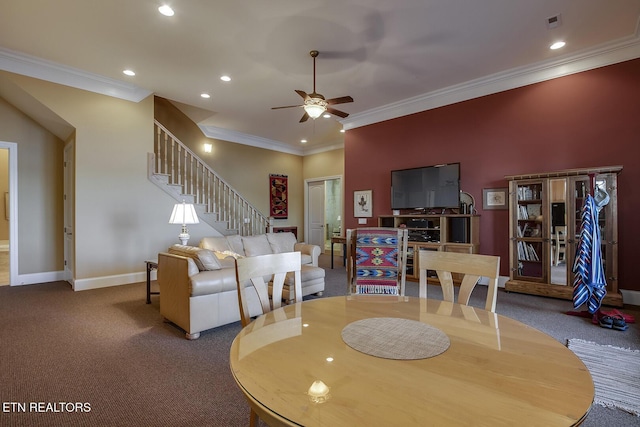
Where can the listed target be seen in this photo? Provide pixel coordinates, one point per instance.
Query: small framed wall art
(362, 204)
(495, 198)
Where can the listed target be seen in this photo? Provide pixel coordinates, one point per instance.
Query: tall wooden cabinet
(447, 232)
(544, 230)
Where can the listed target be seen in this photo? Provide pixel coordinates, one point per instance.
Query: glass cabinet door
(558, 234)
(605, 188)
(530, 233)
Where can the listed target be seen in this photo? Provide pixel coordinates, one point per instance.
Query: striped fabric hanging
(589, 284)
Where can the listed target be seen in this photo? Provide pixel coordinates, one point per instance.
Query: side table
(343, 240)
(152, 264)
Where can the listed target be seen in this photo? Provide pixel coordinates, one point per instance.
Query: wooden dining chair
(560, 241)
(471, 266)
(259, 271)
(376, 260)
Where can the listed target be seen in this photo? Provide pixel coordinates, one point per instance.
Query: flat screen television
(426, 187)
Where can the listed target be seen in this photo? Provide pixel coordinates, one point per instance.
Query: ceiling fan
(314, 103)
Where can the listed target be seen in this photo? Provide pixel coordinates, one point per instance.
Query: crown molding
(607, 54)
(268, 144)
(337, 146)
(31, 66)
(247, 139)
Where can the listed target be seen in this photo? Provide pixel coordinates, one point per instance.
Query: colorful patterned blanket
(376, 256)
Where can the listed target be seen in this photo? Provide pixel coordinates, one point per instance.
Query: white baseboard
(85, 284)
(107, 281)
(630, 297)
(35, 278)
(501, 281)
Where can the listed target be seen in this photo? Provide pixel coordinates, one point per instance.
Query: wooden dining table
(300, 365)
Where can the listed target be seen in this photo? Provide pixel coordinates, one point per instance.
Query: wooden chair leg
(253, 419)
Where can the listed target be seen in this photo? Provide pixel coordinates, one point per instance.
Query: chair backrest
(376, 260)
(261, 269)
(472, 266)
(560, 243)
(561, 234)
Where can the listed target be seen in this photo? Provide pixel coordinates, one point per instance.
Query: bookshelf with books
(545, 206)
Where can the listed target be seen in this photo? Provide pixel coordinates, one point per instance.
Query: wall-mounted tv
(426, 187)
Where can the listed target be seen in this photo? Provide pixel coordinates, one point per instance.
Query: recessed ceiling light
(129, 73)
(225, 78)
(557, 45)
(166, 10)
(304, 141)
(205, 95)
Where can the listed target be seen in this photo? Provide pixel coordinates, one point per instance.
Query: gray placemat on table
(395, 338)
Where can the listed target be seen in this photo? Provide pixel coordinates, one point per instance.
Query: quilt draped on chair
(377, 261)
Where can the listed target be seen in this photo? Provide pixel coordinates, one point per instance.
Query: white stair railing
(186, 170)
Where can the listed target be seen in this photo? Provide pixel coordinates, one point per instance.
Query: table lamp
(184, 213)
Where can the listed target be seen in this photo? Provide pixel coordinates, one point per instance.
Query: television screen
(426, 187)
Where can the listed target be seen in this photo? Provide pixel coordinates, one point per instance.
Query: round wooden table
(295, 369)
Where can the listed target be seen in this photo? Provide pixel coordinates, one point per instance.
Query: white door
(68, 213)
(316, 214)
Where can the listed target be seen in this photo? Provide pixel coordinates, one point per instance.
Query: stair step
(193, 183)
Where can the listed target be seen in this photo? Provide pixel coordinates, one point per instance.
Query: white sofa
(198, 285)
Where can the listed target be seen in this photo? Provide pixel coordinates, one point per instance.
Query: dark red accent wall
(587, 119)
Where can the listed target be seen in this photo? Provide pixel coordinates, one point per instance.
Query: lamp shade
(313, 110)
(184, 213)
(315, 106)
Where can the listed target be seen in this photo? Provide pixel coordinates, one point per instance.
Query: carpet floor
(112, 354)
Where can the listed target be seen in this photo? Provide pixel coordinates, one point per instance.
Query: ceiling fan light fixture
(314, 107)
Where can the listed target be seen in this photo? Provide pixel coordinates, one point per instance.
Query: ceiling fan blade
(302, 93)
(341, 100)
(337, 112)
(286, 106)
(304, 118)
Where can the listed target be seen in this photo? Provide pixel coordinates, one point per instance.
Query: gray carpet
(112, 353)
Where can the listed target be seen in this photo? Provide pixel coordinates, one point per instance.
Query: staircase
(182, 174)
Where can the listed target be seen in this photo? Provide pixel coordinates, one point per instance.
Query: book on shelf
(526, 252)
(523, 213)
(523, 231)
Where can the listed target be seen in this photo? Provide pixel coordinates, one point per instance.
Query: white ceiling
(393, 57)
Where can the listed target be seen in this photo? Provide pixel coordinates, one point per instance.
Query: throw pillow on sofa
(204, 258)
(282, 242)
(256, 245)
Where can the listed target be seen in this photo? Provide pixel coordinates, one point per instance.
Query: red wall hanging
(278, 204)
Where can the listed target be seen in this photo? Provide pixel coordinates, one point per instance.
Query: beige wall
(328, 163)
(243, 167)
(39, 191)
(121, 218)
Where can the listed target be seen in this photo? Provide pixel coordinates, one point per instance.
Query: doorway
(5, 270)
(9, 215)
(323, 210)
(68, 199)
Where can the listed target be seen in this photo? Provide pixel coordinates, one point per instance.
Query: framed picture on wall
(362, 204)
(495, 198)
